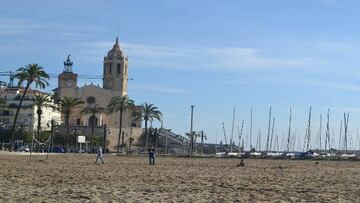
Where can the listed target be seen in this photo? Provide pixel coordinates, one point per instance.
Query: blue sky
(216, 55)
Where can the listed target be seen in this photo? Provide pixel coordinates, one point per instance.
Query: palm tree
(119, 104)
(149, 112)
(32, 73)
(41, 101)
(2, 103)
(66, 107)
(93, 110)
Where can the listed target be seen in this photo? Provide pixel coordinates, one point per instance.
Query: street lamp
(76, 132)
(106, 131)
(191, 130)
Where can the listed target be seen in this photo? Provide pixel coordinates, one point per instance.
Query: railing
(176, 138)
(159, 150)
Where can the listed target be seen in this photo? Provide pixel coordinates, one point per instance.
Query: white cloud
(333, 85)
(194, 57)
(10, 26)
(349, 48)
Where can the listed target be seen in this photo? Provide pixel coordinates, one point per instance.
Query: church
(115, 83)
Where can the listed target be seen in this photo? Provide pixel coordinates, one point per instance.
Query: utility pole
(191, 130)
(104, 136)
(52, 136)
(202, 141)
(166, 143)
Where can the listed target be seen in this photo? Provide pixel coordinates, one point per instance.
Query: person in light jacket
(99, 155)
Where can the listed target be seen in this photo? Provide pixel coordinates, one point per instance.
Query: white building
(27, 114)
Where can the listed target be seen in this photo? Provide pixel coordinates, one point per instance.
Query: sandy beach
(75, 178)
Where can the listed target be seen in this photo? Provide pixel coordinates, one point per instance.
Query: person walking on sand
(99, 155)
(152, 155)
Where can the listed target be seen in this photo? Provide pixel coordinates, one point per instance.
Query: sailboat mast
(232, 132)
(327, 136)
(346, 122)
(289, 133)
(340, 135)
(251, 122)
(309, 131)
(272, 133)
(268, 135)
(320, 128)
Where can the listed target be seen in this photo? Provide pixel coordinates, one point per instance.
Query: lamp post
(75, 132)
(191, 130)
(106, 131)
(52, 136)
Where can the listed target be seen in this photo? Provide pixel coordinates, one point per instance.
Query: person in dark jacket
(151, 152)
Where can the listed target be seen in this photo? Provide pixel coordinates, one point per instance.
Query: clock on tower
(67, 85)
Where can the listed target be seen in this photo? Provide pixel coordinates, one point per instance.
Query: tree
(66, 107)
(149, 112)
(192, 137)
(92, 111)
(32, 73)
(2, 103)
(119, 104)
(41, 101)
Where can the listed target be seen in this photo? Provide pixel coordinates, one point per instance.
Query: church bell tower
(115, 76)
(67, 81)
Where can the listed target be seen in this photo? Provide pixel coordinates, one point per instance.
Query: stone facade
(115, 79)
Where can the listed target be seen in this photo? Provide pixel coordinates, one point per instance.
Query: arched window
(93, 119)
(109, 68)
(78, 121)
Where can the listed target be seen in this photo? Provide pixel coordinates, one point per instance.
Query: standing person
(152, 155)
(99, 155)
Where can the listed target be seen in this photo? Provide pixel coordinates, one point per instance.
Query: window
(109, 68)
(91, 100)
(118, 69)
(78, 121)
(6, 113)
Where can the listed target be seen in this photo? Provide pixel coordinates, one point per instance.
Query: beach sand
(75, 178)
